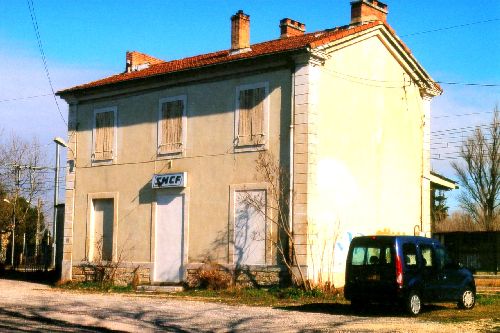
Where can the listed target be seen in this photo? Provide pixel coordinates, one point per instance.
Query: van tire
(467, 299)
(413, 303)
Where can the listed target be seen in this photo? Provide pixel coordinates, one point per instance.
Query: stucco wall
(209, 159)
(367, 179)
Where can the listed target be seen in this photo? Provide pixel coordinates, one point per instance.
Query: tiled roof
(311, 40)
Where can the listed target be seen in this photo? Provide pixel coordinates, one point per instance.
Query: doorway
(169, 238)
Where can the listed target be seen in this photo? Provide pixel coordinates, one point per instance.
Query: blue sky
(87, 40)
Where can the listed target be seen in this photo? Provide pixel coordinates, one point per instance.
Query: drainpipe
(292, 122)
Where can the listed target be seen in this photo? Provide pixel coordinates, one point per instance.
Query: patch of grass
(95, 287)
(489, 300)
(274, 296)
(487, 307)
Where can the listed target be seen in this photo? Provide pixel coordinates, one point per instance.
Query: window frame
(159, 131)
(95, 161)
(90, 227)
(265, 125)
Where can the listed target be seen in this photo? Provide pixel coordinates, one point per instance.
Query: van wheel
(413, 303)
(467, 300)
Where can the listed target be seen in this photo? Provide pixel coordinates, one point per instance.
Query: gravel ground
(28, 307)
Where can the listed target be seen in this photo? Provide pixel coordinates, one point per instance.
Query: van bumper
(381, 294)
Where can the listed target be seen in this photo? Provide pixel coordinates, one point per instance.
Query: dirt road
(34, 307)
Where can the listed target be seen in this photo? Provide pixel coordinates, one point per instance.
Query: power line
(42, 54)
(22, 98)
(450, 27)
(462, 114)
(460, 129)
(470, 84)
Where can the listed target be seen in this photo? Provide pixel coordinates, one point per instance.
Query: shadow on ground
(372, 310)
(44, 277)
(12, 321)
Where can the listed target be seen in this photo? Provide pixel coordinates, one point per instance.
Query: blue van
(406, 270)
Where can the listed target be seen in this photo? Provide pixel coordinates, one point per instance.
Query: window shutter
(258, 116)
(245, 117)
(98, 146)
(250, 227)
(104, 135)
(171, 126)
(251, 116)
(109, 131)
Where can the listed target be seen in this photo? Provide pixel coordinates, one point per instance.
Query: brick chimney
(135, 61)
(240, 32)
(368, 10)
(290, 28)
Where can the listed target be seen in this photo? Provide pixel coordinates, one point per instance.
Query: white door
(169, 238)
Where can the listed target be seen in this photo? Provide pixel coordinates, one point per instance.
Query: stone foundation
(124, 275)
(248, 276)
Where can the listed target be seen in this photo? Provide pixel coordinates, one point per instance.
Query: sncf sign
(170, 180)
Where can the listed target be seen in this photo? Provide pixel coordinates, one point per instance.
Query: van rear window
(371, 255)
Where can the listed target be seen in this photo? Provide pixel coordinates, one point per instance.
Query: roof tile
(311, 40)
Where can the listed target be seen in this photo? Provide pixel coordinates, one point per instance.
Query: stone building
(161, 154)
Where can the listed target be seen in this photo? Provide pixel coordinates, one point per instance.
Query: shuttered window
(251, 116)
(250, 227)
(104, 135)
(171, 123)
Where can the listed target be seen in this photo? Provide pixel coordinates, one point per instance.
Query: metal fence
(478, 251)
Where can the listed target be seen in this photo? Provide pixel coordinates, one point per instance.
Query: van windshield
(371, 255)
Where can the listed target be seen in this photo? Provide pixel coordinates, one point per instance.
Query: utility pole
(17, 171)
(59, 142)
(37, 241)
(56, 199)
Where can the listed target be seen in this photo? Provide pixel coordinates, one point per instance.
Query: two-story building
(162, 157)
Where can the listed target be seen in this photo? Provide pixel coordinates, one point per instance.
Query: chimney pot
(240, 32)
(290, 28)
(368, 10)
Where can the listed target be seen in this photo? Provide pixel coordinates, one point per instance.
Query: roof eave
(441, 182)
(427, 85)
(72, 92)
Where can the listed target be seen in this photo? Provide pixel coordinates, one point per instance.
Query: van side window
(426, 251)
(410, 255)
(442, 258)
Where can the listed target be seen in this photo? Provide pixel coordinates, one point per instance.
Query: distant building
(160, 154)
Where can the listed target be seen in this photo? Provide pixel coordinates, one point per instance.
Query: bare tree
(479, 174)
(23, 180)
(457, 221)
(275, 207)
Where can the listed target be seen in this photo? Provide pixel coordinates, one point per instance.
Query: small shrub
(135, 278)
(316, 292)
(211, 276)
(293, 293)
